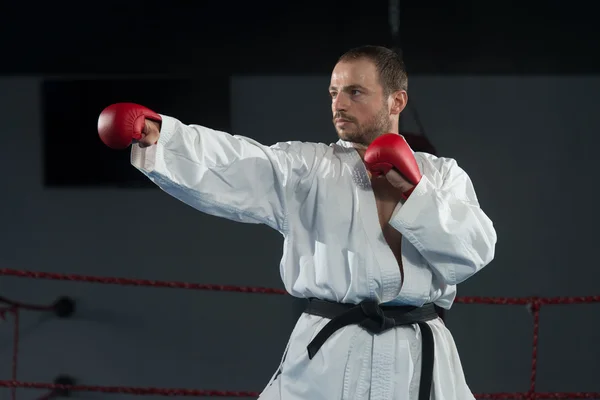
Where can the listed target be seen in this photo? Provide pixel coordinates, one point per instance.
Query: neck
(360, 149)
(359, 145)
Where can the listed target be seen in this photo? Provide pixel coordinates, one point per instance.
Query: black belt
(377, 319)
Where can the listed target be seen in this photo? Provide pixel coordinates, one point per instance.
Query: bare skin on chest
(386, 198)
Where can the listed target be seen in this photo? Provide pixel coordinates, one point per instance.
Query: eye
(355, 92)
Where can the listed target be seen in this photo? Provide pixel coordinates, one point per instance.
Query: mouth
(341, 121)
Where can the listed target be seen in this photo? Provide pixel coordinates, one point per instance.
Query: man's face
(360, 109)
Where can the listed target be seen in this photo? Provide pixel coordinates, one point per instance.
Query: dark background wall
(511, 95)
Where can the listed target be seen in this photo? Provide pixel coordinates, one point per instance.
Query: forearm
(181, 146)
(222, 174)
(453, 235)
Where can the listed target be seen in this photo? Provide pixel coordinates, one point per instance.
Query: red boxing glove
(119, 124)
(391, 151)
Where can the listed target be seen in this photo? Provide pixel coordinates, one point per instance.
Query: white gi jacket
(319, 197)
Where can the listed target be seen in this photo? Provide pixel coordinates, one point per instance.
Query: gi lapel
(387, 271)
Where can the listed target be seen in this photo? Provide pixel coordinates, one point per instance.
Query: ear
(398, 100)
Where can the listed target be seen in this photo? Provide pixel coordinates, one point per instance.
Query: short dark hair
(389, 64)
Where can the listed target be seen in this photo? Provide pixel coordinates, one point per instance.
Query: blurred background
(509, 89)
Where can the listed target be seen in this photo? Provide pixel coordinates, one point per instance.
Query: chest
(387, 198)
(344, 200)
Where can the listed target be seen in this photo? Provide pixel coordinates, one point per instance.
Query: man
(375, 234)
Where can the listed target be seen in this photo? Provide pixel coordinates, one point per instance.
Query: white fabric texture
(319, 198)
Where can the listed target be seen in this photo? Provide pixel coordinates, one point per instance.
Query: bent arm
(444, 221)
(226, 175)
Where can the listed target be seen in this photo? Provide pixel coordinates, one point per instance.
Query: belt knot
(376, 321)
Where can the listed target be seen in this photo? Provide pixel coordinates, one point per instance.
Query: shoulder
(309, 151)
(333, 147)
(300, 146)
(442, 165)
(444, 172)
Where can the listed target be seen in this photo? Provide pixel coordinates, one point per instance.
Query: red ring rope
(12, 307)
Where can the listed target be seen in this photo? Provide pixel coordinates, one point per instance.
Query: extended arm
(225, 175)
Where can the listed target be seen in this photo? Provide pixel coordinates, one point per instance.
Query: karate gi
(319, 198)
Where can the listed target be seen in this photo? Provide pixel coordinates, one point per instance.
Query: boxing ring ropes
(64, 307)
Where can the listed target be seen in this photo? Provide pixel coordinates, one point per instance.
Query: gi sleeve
(225, 175)
(443, 220)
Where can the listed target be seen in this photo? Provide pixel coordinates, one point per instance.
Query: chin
(355, 137)
(348, 136)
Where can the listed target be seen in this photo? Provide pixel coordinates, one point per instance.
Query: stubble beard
(365, 133)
